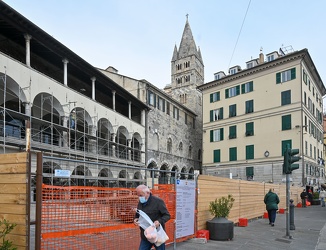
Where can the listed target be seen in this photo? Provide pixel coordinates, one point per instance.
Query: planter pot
(220, 229)
(315, 202)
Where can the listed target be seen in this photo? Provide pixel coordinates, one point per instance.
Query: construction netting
(79, 217)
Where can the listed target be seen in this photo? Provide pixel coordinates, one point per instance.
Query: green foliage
(221, 207)
(6, 228)
(315, 195)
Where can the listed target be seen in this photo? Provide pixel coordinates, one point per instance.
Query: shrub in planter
(220, 228)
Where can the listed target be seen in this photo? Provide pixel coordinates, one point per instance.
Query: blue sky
(137, 37)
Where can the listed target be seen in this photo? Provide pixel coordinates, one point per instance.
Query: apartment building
(251, 115)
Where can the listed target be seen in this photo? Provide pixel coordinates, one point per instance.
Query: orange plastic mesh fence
(94, 217)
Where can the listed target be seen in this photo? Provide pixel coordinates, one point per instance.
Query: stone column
(65, 71)
(129, 108)
(113, 99)
(65, 133)
(129, 149)
(28, 125)
(28, 49)
(93, 87)
(113, 146)
(92, 141)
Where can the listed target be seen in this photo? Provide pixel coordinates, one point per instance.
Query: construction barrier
(95, 217)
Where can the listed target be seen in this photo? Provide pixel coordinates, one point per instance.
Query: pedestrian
(271, 200)
(156, 209)
(303, 197)
(322, 195)
(310, 197)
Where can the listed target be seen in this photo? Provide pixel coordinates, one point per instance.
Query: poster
(186, 200)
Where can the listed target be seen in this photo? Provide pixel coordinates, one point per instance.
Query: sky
(137, 37)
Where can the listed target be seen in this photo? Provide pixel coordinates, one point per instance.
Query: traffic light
(289, 158)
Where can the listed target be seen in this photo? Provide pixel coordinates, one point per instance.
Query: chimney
(261, 56)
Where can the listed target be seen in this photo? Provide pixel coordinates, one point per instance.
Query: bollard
(292, 226)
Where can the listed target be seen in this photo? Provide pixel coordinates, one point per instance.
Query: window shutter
(211, 135)
(163, 105)
(211, 97)
(221, 113)
(278, 78)
(154, 100)
(211, 115)
(292, 73)
(237, 88)
(226, 93)
(222, 134)
(217, 155)
(251, 86)
(243, 88)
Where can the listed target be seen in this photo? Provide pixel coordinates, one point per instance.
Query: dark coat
(156, 209)
(271, 200)
(303, 195)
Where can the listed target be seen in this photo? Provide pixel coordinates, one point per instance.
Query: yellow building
(250, 116)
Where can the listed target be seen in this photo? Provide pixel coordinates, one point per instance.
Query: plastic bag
(143, 220)
(151, 234)
(161, 236)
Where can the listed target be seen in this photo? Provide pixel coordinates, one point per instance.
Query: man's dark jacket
(156, 209)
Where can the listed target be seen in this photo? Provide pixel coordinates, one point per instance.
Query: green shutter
(221, 113)
(222, 134)
(237, 90)
(251, 86)
(249, 152)
(217, 155)
(154, 100)
(249, 171)
(218, 96)
(278, 78)
(226, 93)
(211, 98)
(243, 88)
(284, 145)
(211, 115)
(286, 122)
(212, 135)
(292, 73)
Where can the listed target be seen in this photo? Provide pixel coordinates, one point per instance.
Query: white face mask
(142, 199)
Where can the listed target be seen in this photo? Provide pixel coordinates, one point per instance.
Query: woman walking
(271, 200)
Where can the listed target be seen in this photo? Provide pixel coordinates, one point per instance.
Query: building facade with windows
(55, 102)
(174, 123)
(250, 116)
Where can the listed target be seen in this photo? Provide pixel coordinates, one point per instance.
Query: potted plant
(220, 228)
(315, 198)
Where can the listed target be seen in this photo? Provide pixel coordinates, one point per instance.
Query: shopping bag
(151, 234)
(161, 236)
(144, 220)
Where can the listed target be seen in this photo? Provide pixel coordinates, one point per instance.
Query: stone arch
(152, 165)
(183, 174)
(105, 178)
(104, 131)
(191, 174)
(164, 176)
(137, 176)
(122, 138)
(136, 145)
(81, 171)
(123, 179)
(173, 174)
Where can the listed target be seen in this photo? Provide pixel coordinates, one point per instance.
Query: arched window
(169, 145)
(180, 147)
(190, 152)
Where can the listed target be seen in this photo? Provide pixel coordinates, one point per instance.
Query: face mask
(142, 199)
